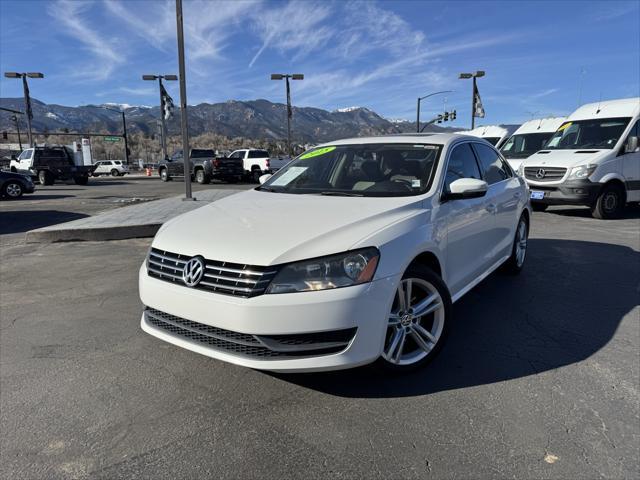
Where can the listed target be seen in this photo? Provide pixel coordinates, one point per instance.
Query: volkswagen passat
(353, 253)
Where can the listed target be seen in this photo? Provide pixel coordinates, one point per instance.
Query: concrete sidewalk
(140, 220)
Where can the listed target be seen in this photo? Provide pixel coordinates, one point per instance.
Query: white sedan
(351, 254)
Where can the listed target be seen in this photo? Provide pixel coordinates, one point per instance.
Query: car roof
(492, 131)
(623, 107)
(417, 138)
(541, 125)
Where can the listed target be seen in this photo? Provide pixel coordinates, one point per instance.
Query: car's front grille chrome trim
(263, 347)
(219, 277)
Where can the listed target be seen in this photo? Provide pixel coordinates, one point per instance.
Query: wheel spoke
(408, 293)
(424, 307)
(394, 319)
(398, 352)
(423, 337)
(402, 297)
(394, 351)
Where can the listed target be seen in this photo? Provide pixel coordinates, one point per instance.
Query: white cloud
(157, 26)
(71, 16)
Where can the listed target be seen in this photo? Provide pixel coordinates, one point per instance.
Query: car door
(25, 159)
(503, 198)
(176, 164)
(630, 166)
(469, 223)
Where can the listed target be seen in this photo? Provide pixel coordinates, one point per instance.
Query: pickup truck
(49, 164)
(205, 166)
(256, 162)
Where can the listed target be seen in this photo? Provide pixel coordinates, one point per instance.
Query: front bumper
(363, 307)
(573, 192)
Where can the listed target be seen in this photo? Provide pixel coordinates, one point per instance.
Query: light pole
(124, 128)
(418, 109)
(27, 99)
(162, 113)
(286, 77)
(477, 74)
(183, 103)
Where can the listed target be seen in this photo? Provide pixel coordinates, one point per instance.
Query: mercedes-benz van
(530, 137)
(496, 135)
(593, 159)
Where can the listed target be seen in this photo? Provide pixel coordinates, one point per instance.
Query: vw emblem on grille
(193, 271)
(540, 173)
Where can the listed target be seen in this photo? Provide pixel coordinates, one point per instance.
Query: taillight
(268, 163)
(216, 163)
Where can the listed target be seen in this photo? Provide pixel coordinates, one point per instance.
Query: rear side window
(462, 164)
(494, 169)
(258, 154)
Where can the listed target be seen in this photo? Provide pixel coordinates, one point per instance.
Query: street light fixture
(474, 76)
(124, 128)
(27, 99)
(162, 107)
(286, 77)
(418, 109)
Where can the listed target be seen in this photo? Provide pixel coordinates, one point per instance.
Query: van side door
(630, 167)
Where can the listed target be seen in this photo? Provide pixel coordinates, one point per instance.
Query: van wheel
(519, 249)
(610, 202)
(418, 321)
(538, 207)
(45, 178)
(164, 175)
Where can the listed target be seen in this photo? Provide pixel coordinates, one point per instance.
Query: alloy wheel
(13, 190)
(521, 243)
(416, 322)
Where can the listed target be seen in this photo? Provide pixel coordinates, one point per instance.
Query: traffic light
(446, 116)
(453, 115)
(439, 118)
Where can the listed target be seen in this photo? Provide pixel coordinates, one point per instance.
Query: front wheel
(610, 203)
(519, 249)
(45, 178)
(201, 177)
(12, 189)
(164, 175)
(418, 323)
(115, 173)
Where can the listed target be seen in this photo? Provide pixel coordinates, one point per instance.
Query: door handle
(491, 208)
(517, 195)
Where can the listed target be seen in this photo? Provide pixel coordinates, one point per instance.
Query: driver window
(634, 132)
(462, 164)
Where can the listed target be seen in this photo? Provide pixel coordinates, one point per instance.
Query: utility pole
(183, 103)
(418, 108)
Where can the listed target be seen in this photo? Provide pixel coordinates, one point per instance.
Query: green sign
(317, 153)
(111, 139)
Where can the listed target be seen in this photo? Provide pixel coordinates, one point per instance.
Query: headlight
(335, 271)
(521, 170)
(583, 171)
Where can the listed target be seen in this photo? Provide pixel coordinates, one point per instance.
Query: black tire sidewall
(599, 210)
(425, 273)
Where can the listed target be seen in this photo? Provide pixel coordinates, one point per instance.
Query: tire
(164, 175)
(81, 180)
(201, 177)
(405, 333)
(45, 178)
(610, 202)
(515, 263)
(12, 189)
(255, 175)
(115, 173)
(538, 207)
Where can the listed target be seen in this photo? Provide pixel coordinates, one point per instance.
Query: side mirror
(466, 188)
(13, 156)
(264, 178)
(632, 145)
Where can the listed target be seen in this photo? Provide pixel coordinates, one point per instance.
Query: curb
(93, 234)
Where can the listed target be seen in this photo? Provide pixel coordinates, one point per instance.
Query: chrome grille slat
(220, 277)
(551, 174)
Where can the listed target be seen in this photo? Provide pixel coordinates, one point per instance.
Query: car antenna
(599, 102)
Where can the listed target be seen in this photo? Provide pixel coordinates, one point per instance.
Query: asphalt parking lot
(540, 377)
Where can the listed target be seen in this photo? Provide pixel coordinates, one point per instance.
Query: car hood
(264, 228)
(565, 158)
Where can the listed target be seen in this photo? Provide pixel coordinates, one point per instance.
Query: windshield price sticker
(565, 126)
(317, 153)
(287, 177)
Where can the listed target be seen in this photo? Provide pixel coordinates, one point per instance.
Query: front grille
(544, 174)
(221, 277)
(253, 346)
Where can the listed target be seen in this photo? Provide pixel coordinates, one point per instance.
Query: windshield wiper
(267, 189)
(341, 194)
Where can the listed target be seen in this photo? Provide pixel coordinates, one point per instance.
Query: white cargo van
(530, 137)
(496, 135)
(593, 159)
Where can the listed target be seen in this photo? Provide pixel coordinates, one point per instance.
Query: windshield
(525, 144)
(595, 133)
(492, 140)
(371, 170)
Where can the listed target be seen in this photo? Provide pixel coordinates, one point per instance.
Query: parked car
(256, 162)
(14, 185)
(205, 166)
(530, 137)
(593, 159)
(48, 164)
(276, 163)
(352, 253)
(496, 135)
(115, 168)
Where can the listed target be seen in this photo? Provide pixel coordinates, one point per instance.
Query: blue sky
(378, 54)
